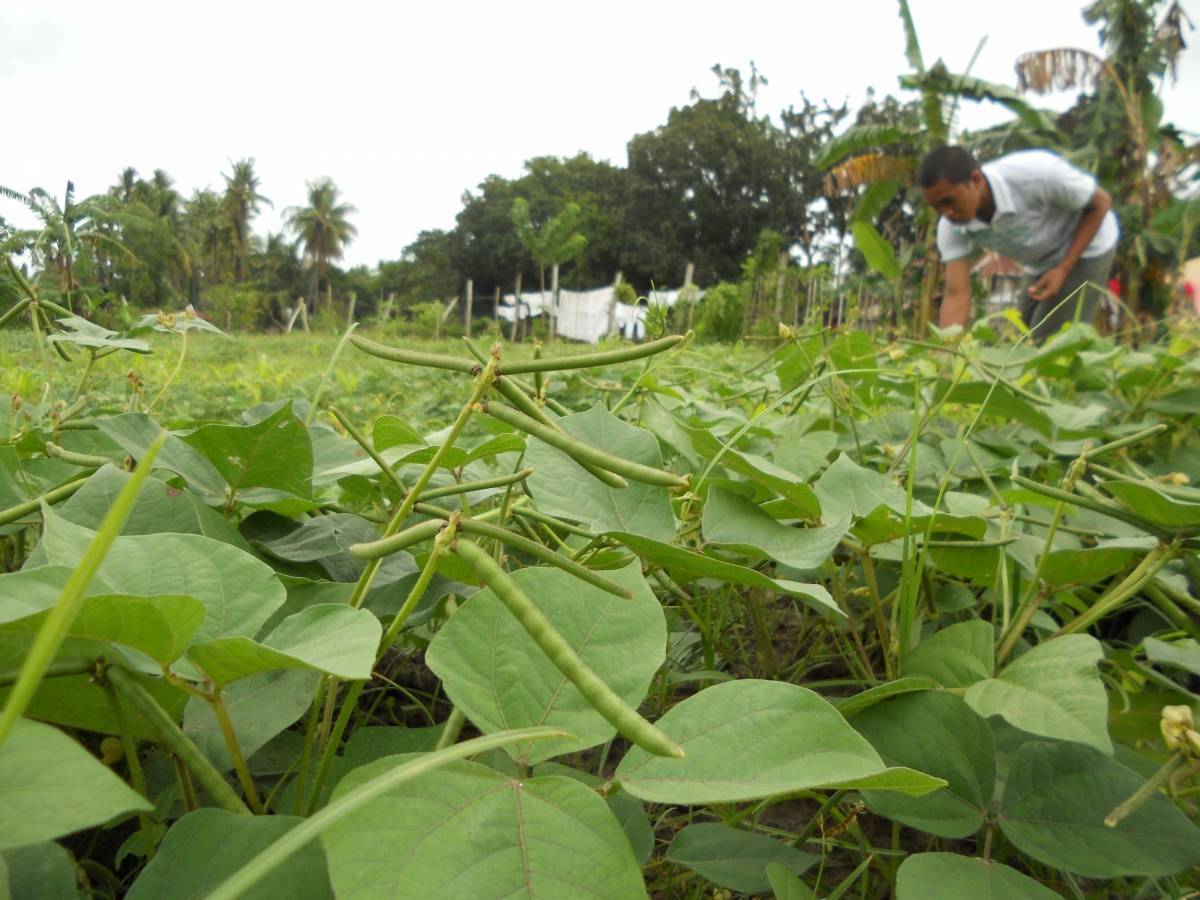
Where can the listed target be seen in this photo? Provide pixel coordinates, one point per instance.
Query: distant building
(1002, 276)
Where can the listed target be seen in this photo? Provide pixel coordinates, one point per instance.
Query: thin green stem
(235, 751)
(183, 339)
(337, 351)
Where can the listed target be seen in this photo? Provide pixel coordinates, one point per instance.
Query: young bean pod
(586, 453)
(604, 699)
(413, 357)
(397, 542)
(592, 360)
(87, 460)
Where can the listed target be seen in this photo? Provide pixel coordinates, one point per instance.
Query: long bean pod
(413, 357)
(592, 360)
(87, 460)
(604, 699)
(30, 506)
(396, 542)
(586, 453)
(467, 487)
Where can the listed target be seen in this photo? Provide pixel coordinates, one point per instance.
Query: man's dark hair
(954, 164)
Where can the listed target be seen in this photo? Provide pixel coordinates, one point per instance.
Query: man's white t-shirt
(1039, 199)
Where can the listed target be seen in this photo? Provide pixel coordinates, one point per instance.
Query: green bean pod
(413, 357)
(533, 548)
(604, 699)
(31, 506)
(399, 541)
(87, 460)
(592, 360)
(586, 453)
(467, 487)
(13, 312)
(518, 398)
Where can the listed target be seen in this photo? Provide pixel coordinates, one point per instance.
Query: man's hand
(1048, 285)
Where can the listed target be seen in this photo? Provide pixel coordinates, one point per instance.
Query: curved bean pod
(604, 699)
(591, 360)
(413, 357)
(397, 542)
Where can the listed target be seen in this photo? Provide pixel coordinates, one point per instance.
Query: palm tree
(323, 229)
(241, 202)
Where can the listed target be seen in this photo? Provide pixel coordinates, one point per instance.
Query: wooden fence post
(612, 308)
(553, 303)
(688, 274)
(496, 313)
(516, 329)
(470, 303)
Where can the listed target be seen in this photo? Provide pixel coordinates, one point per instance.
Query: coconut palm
(242, 202)
(323, 229)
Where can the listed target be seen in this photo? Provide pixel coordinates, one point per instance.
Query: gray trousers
(1079, 292)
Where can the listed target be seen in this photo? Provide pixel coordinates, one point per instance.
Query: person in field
(1034, 207)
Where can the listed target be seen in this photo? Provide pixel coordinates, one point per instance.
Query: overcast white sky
(407, 105)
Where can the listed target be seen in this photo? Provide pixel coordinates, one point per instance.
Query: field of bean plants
(826, 616)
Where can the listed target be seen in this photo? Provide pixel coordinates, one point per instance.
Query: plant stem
(175, 740)
(1147, 790)
(136, 775)
(235, 751)
(451, 730)
(178, 368)
(337, 351)
(1143, 574)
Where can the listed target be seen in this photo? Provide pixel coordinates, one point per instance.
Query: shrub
(721, 313)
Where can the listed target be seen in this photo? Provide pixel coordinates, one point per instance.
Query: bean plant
(912, 619)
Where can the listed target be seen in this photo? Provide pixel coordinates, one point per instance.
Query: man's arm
(1093, 217)
(956, 304)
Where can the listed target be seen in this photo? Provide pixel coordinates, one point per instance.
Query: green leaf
(1054, 690)
(955, 657)
(1092, 565)
(733, 521)
(83, 333)
(878, 253)
(1055, 801)
(733, 858)
(275, 453)
(759, 470)
(51, 787)
(686, 565)
(135, 432)
(750, 739)
(877, 195)
(853, 705)
(206, 846)
(160, 627)
(260, 707)
(331, 638)
(495, 673)
(1154, 506)
(1183, 654)
(846, 488)
(785, 885)
(938, 732)
(392, 431)
(472, 832)
(44, 871)
(562, 487)
(630, 812)
(857, 139)
(996, 400)
(948, 876)
(805, 455)
(238, 591)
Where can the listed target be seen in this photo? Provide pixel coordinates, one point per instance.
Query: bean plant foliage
(913, 619)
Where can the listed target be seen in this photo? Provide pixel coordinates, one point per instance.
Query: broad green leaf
(846, 488)
(331, 638)
(51, 787)
(734, 858)
(1055, 801)
(630, 813)
(160, 627)
(260, 707)
(1089, 566)
(561, 487)
(495, 673)
(469, 831)
(785, 885)
(207, 846)
(879, 254)
(392, 431)
(135, 432)
(275, 453)
(938, 732)
(909, 684)
(949, 876)
(857, 139)
(322, 536)
(735, 522)
(805, 455)
(31, 591)
(85, 333)
(997, 400)
(44, 871)
(159, 508)
(1054, 691)
(238, 591)
(686, 565)
(1153, 505)
(759, 470)
(1183, 654)
(750, 739)
(955, 657)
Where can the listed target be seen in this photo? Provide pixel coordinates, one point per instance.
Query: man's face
(957, 202)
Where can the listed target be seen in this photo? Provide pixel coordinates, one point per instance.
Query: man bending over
(1034, 207)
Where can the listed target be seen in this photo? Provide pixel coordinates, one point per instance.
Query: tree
(242, 202)
(323, 228)
(555, 242)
